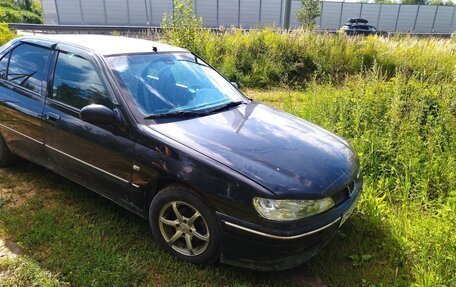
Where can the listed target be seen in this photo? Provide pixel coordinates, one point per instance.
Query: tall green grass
(404, 129)
(261, 58)
(394, 99)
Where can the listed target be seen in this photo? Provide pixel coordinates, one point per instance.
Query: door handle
(51, 117)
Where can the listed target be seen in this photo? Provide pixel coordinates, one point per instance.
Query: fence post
(128, 12)
(217, 19)
(147, 14)
(82, 13)
(239, 13)
(58, 16)
(195, 9)
(341, 12)
(378, 17)
(152, 14)
(286, 22)
(397, 17)
(416, 17)
(452, 19)
(322, 3)
(435, 16)
(281, 14)
(259, 13)
(105, 14)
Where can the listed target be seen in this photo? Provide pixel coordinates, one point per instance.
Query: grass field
(393, 99)
(402, 234)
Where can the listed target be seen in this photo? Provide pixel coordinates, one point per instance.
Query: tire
(6, 156)
(192, 234)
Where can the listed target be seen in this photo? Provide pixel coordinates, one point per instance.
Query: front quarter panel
(226, 190)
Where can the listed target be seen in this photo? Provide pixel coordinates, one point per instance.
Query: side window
(27, 65)
(77, 83)
(4, 66)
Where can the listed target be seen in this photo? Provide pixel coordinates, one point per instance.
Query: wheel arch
(153, 188)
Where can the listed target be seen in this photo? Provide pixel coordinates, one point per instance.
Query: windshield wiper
(176, 114)
(226, 106)
(194, 113)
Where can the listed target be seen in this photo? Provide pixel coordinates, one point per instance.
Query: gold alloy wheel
(184, 228)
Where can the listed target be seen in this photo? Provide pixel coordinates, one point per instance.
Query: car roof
(106, 45)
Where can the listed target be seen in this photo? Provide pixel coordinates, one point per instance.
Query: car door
(23, 70)
(99, 157)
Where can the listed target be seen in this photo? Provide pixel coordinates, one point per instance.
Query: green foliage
(404, 129)
(262, 58)
(5, 34)
(11, 12)
(394, 99)
(413, 2)
(308, 12)
(181, 27)
(401, 234)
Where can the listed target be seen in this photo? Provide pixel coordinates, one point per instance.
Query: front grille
(343, 194)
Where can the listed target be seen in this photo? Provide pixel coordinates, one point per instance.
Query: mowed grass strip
(402, 234)
(80, 238)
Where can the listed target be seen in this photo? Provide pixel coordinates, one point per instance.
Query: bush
(181, 26)
(5, 34)
(10, 12)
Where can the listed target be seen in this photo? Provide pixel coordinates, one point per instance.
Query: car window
(4, 66)
(77, 83)
(27, 65)
(172, 82)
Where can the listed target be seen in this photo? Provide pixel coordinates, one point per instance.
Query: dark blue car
(155, 129)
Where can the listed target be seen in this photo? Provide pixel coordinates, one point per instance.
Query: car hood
(285, 154)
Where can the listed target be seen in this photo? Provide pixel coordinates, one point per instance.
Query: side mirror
(98, 114)
(234, 84)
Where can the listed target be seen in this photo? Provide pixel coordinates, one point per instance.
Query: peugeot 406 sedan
(155, 129)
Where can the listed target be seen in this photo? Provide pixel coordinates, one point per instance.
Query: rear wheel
(185, 225)
(6, 156)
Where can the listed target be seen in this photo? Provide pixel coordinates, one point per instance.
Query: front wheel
(185, 225)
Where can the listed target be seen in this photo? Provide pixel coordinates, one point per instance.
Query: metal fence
(391, 17)
(251, 13)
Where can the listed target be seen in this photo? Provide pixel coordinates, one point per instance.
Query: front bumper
(256, 247)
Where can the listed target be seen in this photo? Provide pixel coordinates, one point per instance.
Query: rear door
(23, 70)
(100, 157)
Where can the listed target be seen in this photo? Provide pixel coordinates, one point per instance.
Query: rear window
(27, 65)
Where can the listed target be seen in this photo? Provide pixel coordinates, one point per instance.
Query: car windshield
(173, 83)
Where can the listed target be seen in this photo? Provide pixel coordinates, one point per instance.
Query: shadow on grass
(88, 240)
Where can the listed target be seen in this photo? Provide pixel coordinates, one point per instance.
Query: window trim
(7, 54)
(75, 52)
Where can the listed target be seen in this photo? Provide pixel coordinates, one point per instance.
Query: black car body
(63, 106)
(358, 26)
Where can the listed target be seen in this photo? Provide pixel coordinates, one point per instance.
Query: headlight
(286, 210)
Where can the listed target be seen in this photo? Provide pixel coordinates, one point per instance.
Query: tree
(308, 12)
(180, 27)
(414, 2)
